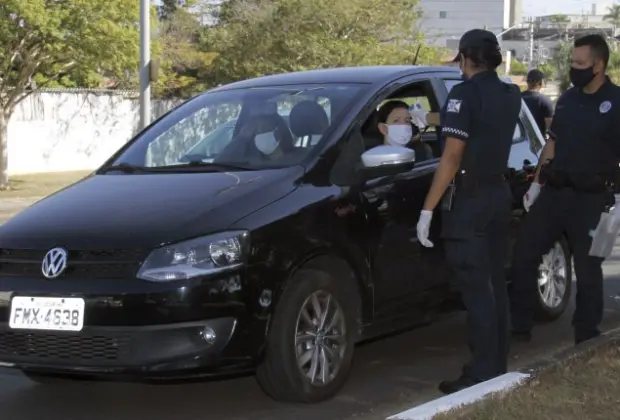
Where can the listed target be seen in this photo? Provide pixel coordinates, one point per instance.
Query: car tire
(549, 309)
(288, 344)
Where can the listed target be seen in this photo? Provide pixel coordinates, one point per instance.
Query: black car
(162, 264)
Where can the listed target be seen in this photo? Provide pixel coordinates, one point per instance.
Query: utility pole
(145, 63)
(531, 44)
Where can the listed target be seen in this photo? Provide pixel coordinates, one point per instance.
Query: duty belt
(473, 181)
(585, 183)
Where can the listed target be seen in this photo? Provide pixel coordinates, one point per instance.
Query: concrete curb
(508, 381)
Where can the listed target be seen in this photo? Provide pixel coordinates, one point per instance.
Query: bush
(517, 68)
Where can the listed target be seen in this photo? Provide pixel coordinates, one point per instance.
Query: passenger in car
(394, 123)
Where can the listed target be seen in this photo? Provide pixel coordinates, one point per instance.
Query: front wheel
(555, 281)
(311, 339)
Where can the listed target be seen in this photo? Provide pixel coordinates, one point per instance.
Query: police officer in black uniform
(579, 163)
(478, 124)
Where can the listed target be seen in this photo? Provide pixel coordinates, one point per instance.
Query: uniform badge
(604, 107)
(454, 105)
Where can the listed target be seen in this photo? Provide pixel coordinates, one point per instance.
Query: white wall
(461, 16)
(66, 131)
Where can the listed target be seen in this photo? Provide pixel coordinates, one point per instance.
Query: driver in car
(268, 138)
(395, 123)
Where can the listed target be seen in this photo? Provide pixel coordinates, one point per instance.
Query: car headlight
(196, 257)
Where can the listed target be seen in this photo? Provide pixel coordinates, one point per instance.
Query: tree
(182, 62)
(613, 15)
(258, 37)
(169, 7)
(46, 40)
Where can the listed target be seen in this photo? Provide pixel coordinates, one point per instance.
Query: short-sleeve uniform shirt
(586, 130)
(540, 106)
(483, 112)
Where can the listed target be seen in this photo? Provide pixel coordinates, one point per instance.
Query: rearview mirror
(387, 160)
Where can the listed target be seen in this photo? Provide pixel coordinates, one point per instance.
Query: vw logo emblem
(54, 263)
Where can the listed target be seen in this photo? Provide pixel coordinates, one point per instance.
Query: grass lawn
(40, 185)
(583, 389)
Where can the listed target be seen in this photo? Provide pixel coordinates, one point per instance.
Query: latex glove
(531, 195)
(418, 115)
(423, 227)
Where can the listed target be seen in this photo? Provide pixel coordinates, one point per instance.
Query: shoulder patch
(604, 107)
(454, 105)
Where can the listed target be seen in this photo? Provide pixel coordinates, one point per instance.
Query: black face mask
(581, 78)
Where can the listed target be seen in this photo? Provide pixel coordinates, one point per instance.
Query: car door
(402, 269)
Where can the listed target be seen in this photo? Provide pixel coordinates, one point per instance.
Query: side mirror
(386, 161)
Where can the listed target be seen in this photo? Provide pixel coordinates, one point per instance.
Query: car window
(451, 83)
(524, 151)
(519, 134)
(253, 128)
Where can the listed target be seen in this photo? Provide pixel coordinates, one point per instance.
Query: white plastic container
(605, 235)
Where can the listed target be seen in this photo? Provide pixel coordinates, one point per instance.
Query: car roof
(361, 74)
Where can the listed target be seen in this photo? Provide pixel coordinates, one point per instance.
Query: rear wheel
(311, 339)
(555, 281)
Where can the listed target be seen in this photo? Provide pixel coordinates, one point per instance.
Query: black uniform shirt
(540, 106)
(483, 112)
(586, 130)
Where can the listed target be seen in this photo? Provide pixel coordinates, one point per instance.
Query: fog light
(208, 335)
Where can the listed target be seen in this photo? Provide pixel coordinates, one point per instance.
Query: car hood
(121, 211)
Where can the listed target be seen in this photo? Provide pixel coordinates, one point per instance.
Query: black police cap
(535, 76)
(475, 38)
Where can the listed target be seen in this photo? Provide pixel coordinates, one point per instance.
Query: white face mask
(266, 143)
(399, 134)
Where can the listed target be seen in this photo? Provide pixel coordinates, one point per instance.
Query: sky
(549, 7)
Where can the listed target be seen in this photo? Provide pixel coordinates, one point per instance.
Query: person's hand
(531, 195)
(424, 224)
(418, 116)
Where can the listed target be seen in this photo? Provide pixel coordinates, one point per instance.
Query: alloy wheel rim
(320, 338)
(552, 278)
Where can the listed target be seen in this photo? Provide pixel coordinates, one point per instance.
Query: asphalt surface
(390, 375)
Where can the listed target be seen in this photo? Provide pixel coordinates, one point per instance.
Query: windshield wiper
(199, 164)
(124, 167)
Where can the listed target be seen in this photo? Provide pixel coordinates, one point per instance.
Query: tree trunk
(4, 150)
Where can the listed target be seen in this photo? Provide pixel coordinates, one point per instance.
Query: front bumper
(197, 328)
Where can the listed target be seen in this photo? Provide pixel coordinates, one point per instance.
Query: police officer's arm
(456, 129)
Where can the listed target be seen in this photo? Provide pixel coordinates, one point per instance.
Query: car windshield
(252, 128)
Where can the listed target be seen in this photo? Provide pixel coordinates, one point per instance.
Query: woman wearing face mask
(269, 136)
(394, 122)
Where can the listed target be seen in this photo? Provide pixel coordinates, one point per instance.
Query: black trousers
(557, 212)
(475, 236)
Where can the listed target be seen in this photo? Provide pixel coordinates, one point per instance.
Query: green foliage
(169, 7)
(182, 62)
(517, 68)
(75, 42)
(613, 14)
(548, 70)
(261, 37)
(561, 62)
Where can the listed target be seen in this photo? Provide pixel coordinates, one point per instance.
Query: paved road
(389, 375)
